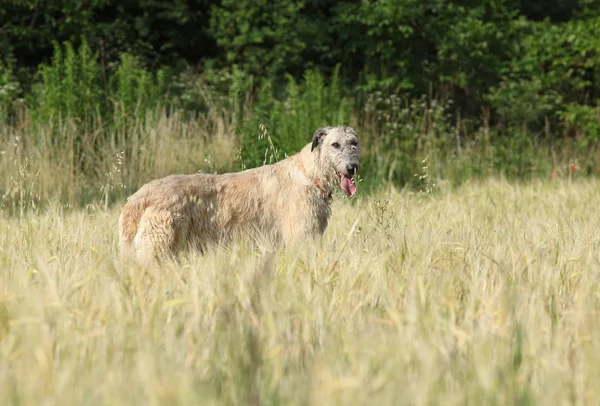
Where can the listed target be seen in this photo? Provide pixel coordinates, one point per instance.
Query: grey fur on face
(338, 149)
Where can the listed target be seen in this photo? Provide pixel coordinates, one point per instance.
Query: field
(483, 294)
(465, 271)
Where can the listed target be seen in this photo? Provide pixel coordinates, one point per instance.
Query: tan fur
(279, 202)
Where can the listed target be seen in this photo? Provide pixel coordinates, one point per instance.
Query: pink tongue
(348, 186)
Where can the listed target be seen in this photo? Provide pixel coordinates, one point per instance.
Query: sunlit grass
(486, 294)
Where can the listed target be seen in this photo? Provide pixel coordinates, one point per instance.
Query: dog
(284, 202)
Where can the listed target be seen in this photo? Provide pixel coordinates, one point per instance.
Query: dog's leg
(158, 234)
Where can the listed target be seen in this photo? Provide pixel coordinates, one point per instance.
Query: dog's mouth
(347, 184)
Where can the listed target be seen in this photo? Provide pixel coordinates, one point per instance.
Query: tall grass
(479, 294)
(85, 133)
(33, 172)
(484, 294)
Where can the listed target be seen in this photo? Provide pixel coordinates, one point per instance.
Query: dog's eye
(354, 143)
(335, 145)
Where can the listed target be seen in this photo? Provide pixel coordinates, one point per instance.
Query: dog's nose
(351, 168)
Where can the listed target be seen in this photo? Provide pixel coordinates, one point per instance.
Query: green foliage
(523, 102)
(73, 86)
(136, 92)
(70, 87)
(102, 106)
(427, 78)
(407, 136)
(156, 31)
(552, 67)
(384, 36)
(583, 120)
(499, 53)
(292, 118)
(29, 27)
(473, 43)
(406, 44)
(256, 35)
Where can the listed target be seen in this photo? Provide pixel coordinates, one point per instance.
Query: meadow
(485, 293)
(465, 271)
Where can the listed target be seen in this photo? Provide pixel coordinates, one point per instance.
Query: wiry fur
(282, 202)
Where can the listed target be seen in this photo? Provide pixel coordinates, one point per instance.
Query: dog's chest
(320, 211)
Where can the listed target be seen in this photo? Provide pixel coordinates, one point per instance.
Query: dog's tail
(129, 222)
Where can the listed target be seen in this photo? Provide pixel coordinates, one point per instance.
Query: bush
(257, 35)
(552, 67)
(283, 123)
(583, 121)
(73, 90)
(69, 88)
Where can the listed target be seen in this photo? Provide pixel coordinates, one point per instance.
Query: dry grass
(487, 294)
(39, 164)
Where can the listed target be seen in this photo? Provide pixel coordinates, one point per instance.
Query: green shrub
(583, 121)
(291, 118)
(551, 68)
(263, 38)
(103, 106)
(135, 92)
(69, 88)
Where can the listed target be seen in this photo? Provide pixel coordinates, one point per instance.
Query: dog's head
(338, 152)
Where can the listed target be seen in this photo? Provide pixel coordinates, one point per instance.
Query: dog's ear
(318, 136)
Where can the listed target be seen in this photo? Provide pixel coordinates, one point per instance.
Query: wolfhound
(284, 201)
